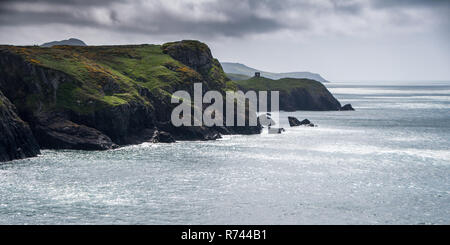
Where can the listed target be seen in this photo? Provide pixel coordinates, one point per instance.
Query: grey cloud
(410, 3)
(65, 2)
(148, 21)
(19, 18)
(440, 12)
(234, 17)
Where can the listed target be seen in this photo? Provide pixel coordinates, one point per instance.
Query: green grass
(129, 67)
(114, 100)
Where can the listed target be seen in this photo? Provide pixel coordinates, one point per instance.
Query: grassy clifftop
(282, 85)
(97, 97)
(101, 77)
(112, 75)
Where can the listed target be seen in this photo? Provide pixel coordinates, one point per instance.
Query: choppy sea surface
(388, 162)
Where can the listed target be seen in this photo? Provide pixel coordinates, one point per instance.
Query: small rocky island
(104, 97)
(347, 107)
(293, 122)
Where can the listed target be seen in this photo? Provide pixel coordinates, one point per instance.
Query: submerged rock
(347, 107)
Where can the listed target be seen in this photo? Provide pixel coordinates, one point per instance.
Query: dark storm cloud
(145, 19)
(205, 18)
(19, 18)
(65, 2)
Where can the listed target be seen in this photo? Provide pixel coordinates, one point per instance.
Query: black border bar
(147, 234)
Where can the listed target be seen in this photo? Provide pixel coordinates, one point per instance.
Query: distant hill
(237, 77)
(233, 69)
(70, 42)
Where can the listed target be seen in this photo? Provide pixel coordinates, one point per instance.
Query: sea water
(388, 162)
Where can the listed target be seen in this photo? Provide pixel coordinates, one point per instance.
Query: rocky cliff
(100, 97)
(17, 140)
(295, 94)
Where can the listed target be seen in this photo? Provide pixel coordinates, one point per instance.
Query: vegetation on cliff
(113, 94)
(99, 97)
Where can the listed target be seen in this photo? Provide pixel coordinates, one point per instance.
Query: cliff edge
(17, 140)
(101, 97)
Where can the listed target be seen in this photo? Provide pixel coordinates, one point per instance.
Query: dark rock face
(163, 137)
(347, 107)
(303, 99)
(193, 132)
(63, 129)
(16, 138)
(121, 123)
(293, 122)
(55, 132)
(191, 53)
(305, 122)
(198, 56)
(294, 94)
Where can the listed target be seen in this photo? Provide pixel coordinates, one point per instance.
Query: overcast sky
(355, 40)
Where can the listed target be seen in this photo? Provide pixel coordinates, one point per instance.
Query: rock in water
(347, 107)
(162, 137)
(293, 121)
(265, 120)
(306, 122)
(16, 138)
